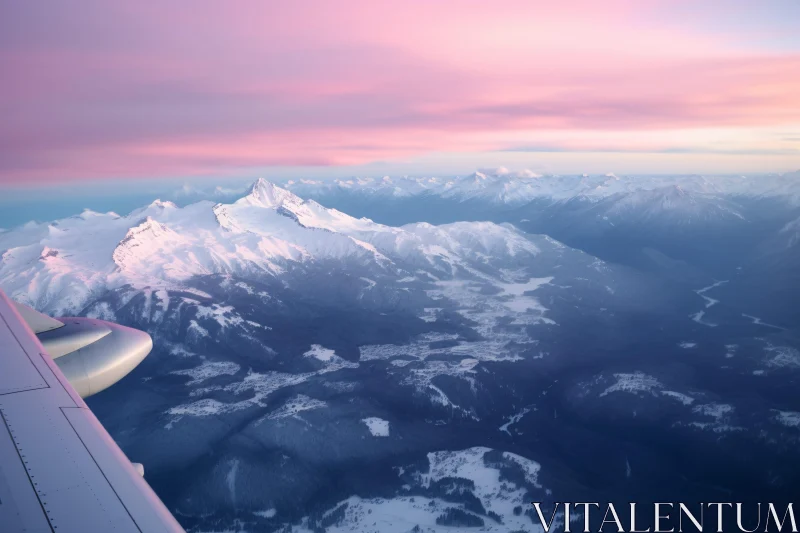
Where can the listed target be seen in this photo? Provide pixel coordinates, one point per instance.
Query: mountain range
(331, 358)
(503, 187)
(60, 266)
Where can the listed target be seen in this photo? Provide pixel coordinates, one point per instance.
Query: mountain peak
(478, 176)
(526, 173)
(163, 204)
(678, 191)
(264, 193)
(147, 226)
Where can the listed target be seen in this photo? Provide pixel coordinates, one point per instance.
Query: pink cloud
(196, 87)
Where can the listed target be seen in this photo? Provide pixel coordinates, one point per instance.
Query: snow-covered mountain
(705, 225)
(502, 187)
(60, 266)
(673, 202)
(669, 208)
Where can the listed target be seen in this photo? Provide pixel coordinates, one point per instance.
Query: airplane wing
(60, 471)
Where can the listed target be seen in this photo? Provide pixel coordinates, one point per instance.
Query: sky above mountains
(97, 90)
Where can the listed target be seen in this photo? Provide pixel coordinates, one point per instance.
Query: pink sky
(136, 89)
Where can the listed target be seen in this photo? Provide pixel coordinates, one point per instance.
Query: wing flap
(37, 321)
(16, 373)
(127, 483)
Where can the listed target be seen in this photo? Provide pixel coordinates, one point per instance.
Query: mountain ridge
(60, 266)
(503, 187)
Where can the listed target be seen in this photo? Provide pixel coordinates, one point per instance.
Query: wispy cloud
(181, 88)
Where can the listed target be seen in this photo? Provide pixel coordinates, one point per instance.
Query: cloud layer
(97, 88)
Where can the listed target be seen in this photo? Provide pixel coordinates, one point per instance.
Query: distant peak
(162, 204)
(495, 172)
(261, 182)
(89, 213)
(526, 173)
(261, 186)
(146, 229)
(264, 193)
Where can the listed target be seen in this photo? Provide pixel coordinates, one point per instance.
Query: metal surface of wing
(60, 471)
(37, 321)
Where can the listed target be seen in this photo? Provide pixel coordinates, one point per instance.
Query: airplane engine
(92, 354)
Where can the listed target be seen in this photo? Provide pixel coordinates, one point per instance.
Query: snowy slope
(431, 502)
(791, 233)
(671, 203)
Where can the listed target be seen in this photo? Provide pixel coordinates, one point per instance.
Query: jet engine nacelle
(92, 354)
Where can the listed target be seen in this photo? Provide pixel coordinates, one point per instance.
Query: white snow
(254, 387)
(710, 302)
(319, 352)
(634, 383)
(196, 329)
(245, 287)
(715, 410)
(788, 418)
(204, 407)
(208, 370)
(430, 314)
(295, 405)
(513, 295)
(103, 311)
(402, 514)
(370, 282)
(396, 515)
(760, 322)
(225, 316)
(698, 317)
(500, 317)
(721, 416)
(782, 356)
(378, 427)
(231, 479)
(683, 398)
(513, 419)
